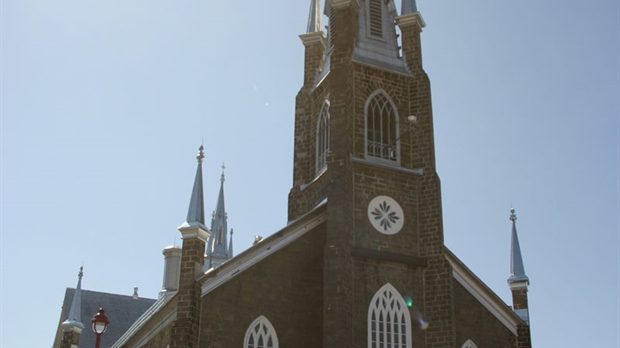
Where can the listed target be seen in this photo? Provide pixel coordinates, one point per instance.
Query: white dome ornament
(386, 215)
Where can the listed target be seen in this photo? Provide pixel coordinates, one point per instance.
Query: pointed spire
(217, 251)
(408, 6)
(517, 271)
(315, 22)
(74, 318)
(196, 212)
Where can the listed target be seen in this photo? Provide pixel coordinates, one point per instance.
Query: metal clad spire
(217, 246)
(517, 271)
(196, 212)
(74, 318)
(315, 23)
(408, 6)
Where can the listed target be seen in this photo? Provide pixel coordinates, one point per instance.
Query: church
(362, 261)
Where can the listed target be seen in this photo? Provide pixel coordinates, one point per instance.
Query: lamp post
(100, 324)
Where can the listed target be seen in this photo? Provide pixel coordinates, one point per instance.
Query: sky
(105, 102)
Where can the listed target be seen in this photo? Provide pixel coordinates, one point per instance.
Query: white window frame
(322, 138)
(469, 344)
(265, 330)
(392, 143)
(388, 303)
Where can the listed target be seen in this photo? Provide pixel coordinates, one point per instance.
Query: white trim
(483, 294)
(311, 38)
(163, 322)
(194, 232)
(396, 127)
(323, 113)
(402, 311)
(484, 301)
(411, 18)
(469, 344)
(384, 164)
(271, 332)
(268, 246)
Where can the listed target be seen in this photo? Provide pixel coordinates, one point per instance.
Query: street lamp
(100, 324)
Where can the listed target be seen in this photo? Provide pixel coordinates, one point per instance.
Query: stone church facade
(362, 263)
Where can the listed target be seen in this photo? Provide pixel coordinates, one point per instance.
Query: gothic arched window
(469, 344)
(389, 321)
(261, 334)
(322, 138)
(381, 127)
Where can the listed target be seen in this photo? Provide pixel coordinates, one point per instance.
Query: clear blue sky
(104, 104)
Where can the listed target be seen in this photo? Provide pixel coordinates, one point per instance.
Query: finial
(81, 274)
(201, 155)
(231, 231)
(223, 168)
(513, 216)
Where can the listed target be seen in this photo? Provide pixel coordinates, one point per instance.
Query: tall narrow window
(261, 334)
(381, 126)
(375, 17)
(389, 321)
(322, 138)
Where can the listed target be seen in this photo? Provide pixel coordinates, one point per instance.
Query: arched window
(322, 138)
(469, 344)
(389, 321)
(381, 126)
(261, 334)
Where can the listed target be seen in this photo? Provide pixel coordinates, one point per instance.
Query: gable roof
(215, 277)
(122, 310)
(483, 293)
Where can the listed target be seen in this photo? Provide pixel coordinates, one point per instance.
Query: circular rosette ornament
(385, 215)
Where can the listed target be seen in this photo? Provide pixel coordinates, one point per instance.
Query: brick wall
(286, 288)
(475, 322)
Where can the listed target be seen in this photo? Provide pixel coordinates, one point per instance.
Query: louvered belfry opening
(375, 18)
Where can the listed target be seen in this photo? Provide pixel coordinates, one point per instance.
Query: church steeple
(196, 210)
(217, 246)
(518, 283)
(194, 232)
(73, 326)
(517, 271)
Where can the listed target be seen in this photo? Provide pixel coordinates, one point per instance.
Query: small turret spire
(315, 22)
(74, 318)
(230, 245)
(517, 271)
(408, 6)
(196, 212)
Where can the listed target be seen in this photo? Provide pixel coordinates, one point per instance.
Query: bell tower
(364, 144)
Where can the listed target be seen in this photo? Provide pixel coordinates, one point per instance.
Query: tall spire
(196, 211)
(517, 271)
(74, 318)
(408, 6)
(217, 250)
(315, 23)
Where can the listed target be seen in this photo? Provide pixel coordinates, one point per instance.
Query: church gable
(285, 287)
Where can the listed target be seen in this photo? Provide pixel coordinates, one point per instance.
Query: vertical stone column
(186, 326)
